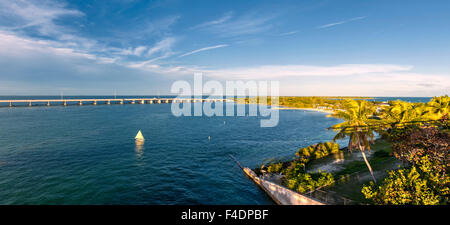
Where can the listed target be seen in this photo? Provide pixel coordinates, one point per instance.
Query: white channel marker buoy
(139, 136)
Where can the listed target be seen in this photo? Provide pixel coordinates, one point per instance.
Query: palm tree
(438, 107)
(400, 112)
(358, 118)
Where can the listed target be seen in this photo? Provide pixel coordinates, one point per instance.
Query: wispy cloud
(230, 25)
(150, 63)
(145, 29)
(289, 33)
(25, 47)
(379, 84)
(348, 79)
(340, 22)
(278, 71)
(40, 16)
(164, 45)
(130, 51)
(227, 16)
(41, 20)
(203, 49)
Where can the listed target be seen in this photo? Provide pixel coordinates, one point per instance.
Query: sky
(137, 47)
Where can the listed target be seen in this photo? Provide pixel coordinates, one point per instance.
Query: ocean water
(406, 99)
(87, 154)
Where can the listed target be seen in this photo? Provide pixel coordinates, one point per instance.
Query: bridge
(89, 101)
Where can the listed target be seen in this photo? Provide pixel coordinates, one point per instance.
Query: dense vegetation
(427, 181)
(296, 177)
(317, 151)
(419, 133)
(302, 102)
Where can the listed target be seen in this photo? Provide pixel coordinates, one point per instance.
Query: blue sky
(136, 47)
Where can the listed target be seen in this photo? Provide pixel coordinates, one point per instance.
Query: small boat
(139, 136)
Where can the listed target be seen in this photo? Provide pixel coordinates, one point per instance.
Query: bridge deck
(110, 100)
(106, 99)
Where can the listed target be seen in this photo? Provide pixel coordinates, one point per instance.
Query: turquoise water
(87, 154)
(406, 99)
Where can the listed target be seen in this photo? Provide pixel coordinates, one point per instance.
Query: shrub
(275, 168)
(415, 143)
(293, 169)
(421, 184)
(317, 151)
(304, 182)
(295, 176)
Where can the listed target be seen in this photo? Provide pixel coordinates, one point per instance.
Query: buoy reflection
(139, 147)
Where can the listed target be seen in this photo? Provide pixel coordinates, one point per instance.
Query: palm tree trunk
(362, 148)
(368, 165)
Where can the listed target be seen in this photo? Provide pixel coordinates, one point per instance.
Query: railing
(331, 198)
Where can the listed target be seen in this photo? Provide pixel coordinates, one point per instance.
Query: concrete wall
(280, 194)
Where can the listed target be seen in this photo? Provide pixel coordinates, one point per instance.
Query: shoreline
(306, 109)
(278, 107)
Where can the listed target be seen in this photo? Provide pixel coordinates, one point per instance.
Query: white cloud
(174, 70)
(32, 14)
(390, 84)
(43, 58)
(203, 49)
(130, 51)
(278, 71)
(340, 22)
(228, 26)
(164, 45)
(226, 17)
(139, 50)
(20, 18)
(288, 33)
(74, 55)
(25, 17)
(148, 64)
(24, 47)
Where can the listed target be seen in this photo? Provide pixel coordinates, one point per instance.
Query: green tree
(427, 181)
(438, 107)
(402, 187)
(358, 118)
(400, 112)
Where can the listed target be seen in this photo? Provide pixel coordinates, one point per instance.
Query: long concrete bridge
(89, 101)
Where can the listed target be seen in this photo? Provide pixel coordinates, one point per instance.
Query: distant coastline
(308, 109)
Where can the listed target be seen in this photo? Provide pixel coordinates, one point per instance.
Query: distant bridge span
(92, 101)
